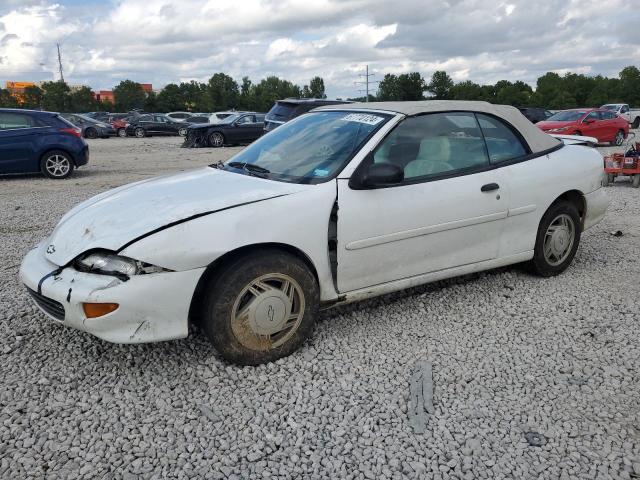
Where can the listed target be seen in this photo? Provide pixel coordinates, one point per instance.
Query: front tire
(557, 240)
(260, 307)
(56, 164)
(182, 132)
(216, 139)
(122, 132)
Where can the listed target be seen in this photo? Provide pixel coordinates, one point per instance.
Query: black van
(290, 108)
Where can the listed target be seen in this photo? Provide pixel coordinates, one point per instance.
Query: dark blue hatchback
(33, 141)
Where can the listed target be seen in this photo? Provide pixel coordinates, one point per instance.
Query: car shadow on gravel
(432, 287)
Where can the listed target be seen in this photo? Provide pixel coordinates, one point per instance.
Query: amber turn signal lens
(95, 310)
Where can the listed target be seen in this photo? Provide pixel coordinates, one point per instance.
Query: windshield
(567, 116)
(612, 108)
(230, 118)
(311, 149)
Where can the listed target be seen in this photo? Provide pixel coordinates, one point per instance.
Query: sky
(164, 41)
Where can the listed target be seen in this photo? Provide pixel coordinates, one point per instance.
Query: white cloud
(163, 41)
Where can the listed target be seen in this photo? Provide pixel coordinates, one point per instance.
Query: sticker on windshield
(320, 172)
(363, 118)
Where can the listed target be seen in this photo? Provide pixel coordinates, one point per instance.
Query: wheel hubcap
(57, 165)
(559, 239)
(267, 312)
(139, 133)
(619, 138)
(217, 140)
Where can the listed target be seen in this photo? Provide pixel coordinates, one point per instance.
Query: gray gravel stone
(510, 353)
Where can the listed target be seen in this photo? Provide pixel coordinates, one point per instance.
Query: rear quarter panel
(53, 140)
(537, 183)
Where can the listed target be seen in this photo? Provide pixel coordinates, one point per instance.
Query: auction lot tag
(363, 118)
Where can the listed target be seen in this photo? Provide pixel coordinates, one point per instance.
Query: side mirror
(376, 175)
(587, 121)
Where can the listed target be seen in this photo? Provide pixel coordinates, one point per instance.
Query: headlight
(112, 264)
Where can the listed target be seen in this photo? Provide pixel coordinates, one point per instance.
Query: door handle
(489, 187)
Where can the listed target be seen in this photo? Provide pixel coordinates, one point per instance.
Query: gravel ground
(512, 355)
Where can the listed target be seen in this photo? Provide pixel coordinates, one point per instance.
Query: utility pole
(366, 81)
(60, 63)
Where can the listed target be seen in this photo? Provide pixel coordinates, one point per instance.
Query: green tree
(316, 88)
(82, 100)
(32, 97)
(440, 85)
(246, 101)
(151, 102)
(195, 97)
(55, 96)
(271, 89)
(406, 86)
(466, 90)
(629, 87)
(7, 100)
(170, 99)
(128, 95)
(223, 92)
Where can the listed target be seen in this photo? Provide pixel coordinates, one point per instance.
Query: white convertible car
(341, 204)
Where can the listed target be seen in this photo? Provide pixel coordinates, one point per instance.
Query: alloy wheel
(57, 165)
(217, 140)
(619, 138)
(268, 312)
(139, 132)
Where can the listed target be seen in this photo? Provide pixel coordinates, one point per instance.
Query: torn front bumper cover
(195, 138)
(152, 308)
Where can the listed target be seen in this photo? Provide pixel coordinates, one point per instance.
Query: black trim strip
(192, 217)
(48, 275)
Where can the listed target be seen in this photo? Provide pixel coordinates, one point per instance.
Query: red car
(604, 125)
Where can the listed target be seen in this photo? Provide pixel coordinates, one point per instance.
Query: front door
(449, 211)
(245, 129)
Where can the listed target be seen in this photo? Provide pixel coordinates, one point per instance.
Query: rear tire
(259, 307)
(182, 132)
(619, 139)
(56, 164)
(557, 239)
(140, 132)
(90, 133)
(635, 181)
(122, 132)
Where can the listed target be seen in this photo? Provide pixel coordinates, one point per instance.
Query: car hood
(119, 217)
(546, 124)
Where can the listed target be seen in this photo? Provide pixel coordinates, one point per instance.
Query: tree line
(222, 92)
(553, 91)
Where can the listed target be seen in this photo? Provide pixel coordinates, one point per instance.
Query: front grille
(53, 308)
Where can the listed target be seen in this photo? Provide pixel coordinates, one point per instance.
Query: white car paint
(623, 110)
(388, 239)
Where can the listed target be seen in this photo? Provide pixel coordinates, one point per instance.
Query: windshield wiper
(250, 168)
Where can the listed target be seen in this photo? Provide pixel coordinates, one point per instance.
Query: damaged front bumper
(152, 307)
(196, 138)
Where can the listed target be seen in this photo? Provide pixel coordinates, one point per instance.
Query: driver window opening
(434, 144)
